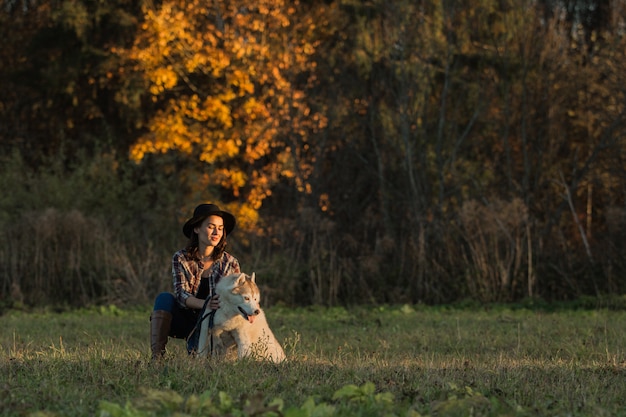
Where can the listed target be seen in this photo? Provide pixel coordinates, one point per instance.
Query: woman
(195, 269)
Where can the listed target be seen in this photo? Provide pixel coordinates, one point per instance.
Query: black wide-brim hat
(205, 210)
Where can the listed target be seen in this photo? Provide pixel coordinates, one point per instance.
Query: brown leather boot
(160, 322)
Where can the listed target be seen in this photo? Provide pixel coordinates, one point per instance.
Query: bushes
(103, 231)
(75, 237)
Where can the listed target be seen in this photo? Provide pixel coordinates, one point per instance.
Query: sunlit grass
(569, 362)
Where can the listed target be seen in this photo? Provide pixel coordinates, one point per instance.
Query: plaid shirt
(187, 273)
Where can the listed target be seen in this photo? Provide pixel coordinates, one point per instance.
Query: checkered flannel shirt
(186, 274)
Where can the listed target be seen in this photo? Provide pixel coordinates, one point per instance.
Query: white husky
(241, 318)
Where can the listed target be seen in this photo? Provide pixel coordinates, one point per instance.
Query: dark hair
(192, 246)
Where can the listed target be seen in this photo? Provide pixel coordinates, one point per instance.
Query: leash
(211, 323)
(203, 316)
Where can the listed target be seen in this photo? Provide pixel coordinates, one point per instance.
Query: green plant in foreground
(348, 401)
(170, 403)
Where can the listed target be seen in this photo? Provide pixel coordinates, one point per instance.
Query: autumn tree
(225, 86)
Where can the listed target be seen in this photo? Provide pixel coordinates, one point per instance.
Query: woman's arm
(181, 276)
(194, 302)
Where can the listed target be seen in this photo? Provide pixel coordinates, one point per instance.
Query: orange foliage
(220, 74)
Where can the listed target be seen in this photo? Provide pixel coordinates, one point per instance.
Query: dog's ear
(241, 279)
(253, 278)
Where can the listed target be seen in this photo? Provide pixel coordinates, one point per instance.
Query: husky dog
(241, 318)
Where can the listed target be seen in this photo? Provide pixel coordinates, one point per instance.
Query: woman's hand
(214, 303)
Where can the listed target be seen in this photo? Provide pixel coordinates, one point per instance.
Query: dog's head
(242, 293)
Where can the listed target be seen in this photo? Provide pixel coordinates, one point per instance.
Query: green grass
(433, 361)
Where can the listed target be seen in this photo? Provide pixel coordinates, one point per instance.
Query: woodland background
(373, 151)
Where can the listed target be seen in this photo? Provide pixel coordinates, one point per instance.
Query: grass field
(420, 360)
